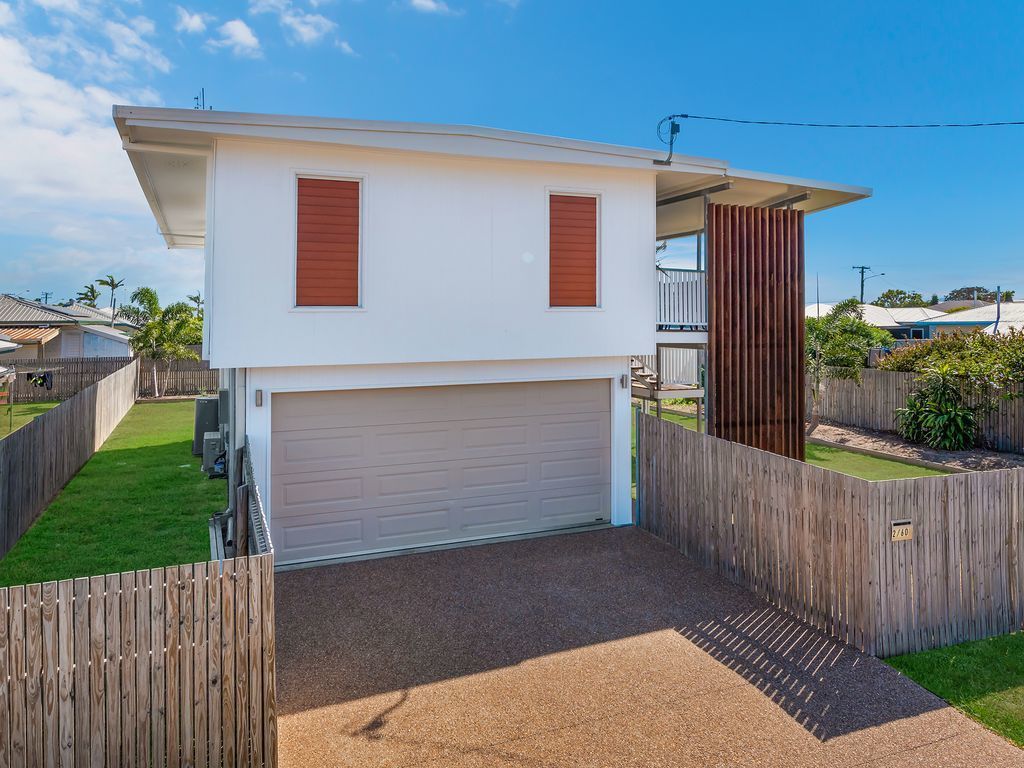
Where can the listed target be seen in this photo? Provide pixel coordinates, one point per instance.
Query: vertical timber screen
(756, 327)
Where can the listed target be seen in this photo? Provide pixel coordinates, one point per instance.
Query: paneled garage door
(372, 470)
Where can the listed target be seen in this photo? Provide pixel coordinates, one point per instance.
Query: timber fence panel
(818, 544)
(872, 403)
(184, 377)
(73, 655)
(38, 460)
(69, 376)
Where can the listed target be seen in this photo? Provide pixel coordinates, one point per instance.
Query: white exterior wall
(312, 379)
(454, 260)
(102, 346)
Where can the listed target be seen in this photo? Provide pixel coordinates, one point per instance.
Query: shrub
(935, 413)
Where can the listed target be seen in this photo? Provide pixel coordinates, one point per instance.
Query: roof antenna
(200, 100)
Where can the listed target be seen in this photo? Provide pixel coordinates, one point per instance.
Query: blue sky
(947, 203)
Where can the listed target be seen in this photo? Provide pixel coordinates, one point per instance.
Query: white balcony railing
(682, 298)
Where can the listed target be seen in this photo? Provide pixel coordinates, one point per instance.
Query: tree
(113, 284)
(197, 299)
(933, 300)
(895, 297)
(165, 333)
(89, 295)
(976, 291)
(837, 348)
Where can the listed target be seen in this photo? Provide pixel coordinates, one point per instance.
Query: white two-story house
(427, 329)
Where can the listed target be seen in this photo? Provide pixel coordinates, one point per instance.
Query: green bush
(935, 413)
(988, 365)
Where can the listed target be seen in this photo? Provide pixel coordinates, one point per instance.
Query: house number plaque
(902, 530)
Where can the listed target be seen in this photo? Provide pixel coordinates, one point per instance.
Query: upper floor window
(327, 243)
(572, 250)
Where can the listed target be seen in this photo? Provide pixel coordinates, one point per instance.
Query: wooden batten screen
(327, 243)
(573, 251)
(756, 327)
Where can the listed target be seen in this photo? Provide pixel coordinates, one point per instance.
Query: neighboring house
(51, 331)
(426, 330)
(901, 322)
(1009, 314)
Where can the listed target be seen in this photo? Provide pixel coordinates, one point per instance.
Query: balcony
(682, 300)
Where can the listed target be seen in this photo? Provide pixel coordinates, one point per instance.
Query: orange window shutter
(573, 251)
(327, 243)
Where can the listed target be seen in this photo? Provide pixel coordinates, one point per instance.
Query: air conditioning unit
(213, 447)
(207, 420)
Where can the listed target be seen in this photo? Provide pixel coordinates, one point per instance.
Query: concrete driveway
(592, 649)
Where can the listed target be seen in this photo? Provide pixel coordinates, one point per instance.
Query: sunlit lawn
(140, 502)
(984, 679)
(22, 414)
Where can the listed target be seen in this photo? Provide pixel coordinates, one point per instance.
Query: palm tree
(89, 295)
(113, 284)
(164, 332)
(197, 299)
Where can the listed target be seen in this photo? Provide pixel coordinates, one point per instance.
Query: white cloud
(344, 47)
(67, 188)
(191, 23)
(128, 43)
(431, 6)
(6, 15)
(298, 25)
(237, 36)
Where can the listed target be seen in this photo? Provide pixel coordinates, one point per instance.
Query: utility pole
(46, 296)
(862, 271)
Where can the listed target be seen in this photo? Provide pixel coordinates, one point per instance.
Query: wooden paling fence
(164, 667)
(818, 544)
(38, 460)
(872, 403)
(69, 376)
(186, 377)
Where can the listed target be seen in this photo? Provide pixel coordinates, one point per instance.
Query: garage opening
(364, 471)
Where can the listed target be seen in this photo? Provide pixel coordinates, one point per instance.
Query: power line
(793, 124)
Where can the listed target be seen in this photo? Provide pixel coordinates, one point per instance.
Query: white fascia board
(423, 137)
(855, 192)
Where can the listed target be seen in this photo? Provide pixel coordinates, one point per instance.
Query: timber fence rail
(872, 404)
(38, 460)
(818, 544)
(164, 667)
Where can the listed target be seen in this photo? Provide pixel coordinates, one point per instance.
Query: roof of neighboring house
(947, 306)
(169, 148)
(6, 345)
(1009, 311)
(89, 315)
(30, 334)
(15, 311)
(881, 317)
(1004, 326)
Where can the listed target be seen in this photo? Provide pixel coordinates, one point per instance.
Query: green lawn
(839, 460)
(23, 414)
(983, 679)
(140, 502)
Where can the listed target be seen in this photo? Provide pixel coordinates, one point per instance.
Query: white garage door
(373, 470)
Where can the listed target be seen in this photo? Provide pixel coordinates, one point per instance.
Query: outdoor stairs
(643, 377)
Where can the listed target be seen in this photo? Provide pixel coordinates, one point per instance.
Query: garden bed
(893, 445)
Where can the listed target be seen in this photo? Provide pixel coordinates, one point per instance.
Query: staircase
(642, 378)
